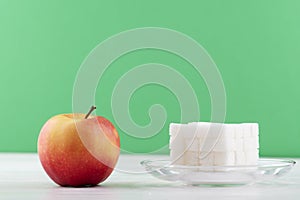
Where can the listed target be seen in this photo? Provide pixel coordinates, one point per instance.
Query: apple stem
(91, 110)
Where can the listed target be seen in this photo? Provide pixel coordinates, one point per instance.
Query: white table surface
(22, 177)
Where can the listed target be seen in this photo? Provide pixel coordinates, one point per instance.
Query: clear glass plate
(265, 170)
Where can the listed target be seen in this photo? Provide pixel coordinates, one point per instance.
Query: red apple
(78, 150)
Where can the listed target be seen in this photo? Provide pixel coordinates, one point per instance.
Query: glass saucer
(265, 170)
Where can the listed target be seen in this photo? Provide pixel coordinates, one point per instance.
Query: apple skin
(76, 152)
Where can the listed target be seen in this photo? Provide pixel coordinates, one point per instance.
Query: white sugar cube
(173, 128)
(177, 156)
(250, 144)
(189, 131)
(210, 130)
(203, 143)
(213, 130)
(247, 130)
(217, 145)
(176, 152)
(255, 130)
(239, 130)
(206, 158)
(240, 158)
(224, 158)
(192, 145)
(177, 149)
(228, 131)
(251, 157)
(191, 158)
(201, 128)
(176, 141)
(239, 145)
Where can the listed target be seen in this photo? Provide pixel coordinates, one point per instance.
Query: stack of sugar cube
(214, 144)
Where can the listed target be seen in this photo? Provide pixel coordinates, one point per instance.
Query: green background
(255, 44)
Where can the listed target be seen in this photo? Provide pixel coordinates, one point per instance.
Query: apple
(77, 149)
